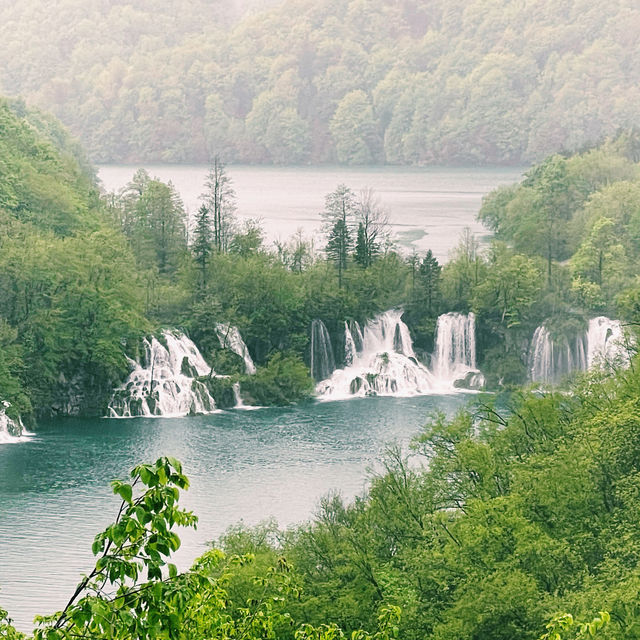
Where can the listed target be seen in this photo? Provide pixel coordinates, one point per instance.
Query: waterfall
(11, 431)
(322, 361)
(164, 384)
(605, 340)
(357, 335)
(350, 351)
(230, 338)
(455, 346)
(384, 365)
(236, 393)
(551, 359)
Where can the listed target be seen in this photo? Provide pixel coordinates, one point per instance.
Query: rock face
(473, 381)
(81, 395)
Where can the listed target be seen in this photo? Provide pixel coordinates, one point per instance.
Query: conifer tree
(202, 246)
(430, 271)
(339, 214)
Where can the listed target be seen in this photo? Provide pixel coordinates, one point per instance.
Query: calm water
(243, 465)
(428, 208)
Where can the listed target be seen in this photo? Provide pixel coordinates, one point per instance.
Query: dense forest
(443, 81)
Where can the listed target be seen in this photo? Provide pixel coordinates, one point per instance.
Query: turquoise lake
(243, 466)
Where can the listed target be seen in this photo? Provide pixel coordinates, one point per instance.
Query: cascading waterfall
(165, 384)
(350, 351)
(11, 431)
(455, 346)
(323, 363)
(380, 360)
(605, 340)
(551, 359)
(230, 338)
(357, 335)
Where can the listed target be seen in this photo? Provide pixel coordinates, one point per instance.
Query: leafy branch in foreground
(134, 593)
(110, 602)
(564, 626)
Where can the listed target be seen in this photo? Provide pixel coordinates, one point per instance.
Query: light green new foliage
(564, 626)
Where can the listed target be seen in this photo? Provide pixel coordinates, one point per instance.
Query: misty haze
(319, 320)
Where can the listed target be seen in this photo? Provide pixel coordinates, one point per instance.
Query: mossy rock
(221, 389)
(226, 362)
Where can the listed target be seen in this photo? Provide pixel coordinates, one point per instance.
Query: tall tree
(430, 271)
(153, 218)
(202, 245)
(220, 198)
(339, 214)
(373, 228)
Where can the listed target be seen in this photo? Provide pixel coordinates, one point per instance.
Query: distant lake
(427, 207)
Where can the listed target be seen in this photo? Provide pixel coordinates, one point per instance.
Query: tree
(354, 130)
(510, 288)
(463, 272)
(220, 198)
(152, 216)
(249, 240)
(373, 228)
(339, 212)
(202, 245)
(429, 272)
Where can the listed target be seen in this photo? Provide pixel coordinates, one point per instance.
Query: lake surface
(243, 465)
(427, 207)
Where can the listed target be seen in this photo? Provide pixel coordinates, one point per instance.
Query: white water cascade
(11, 431)
(322, 361)
(165, 384)
(350, 350)
(455, 346)
(380, 360)
(230, 338)
(605, 343)
(601, 344)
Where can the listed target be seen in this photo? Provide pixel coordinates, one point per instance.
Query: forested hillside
(442, 81)
(69, 292)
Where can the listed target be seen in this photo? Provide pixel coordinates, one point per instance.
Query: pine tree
(339, 246)
(202, 245)
(361, 255)
(339, 215)
(430, 271)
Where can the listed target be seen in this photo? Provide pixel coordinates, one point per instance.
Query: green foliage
(578, 213)
(135, 593)
(152, 217)
(283, 380)
(563, 625)
(496, 519)
(70, 291)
